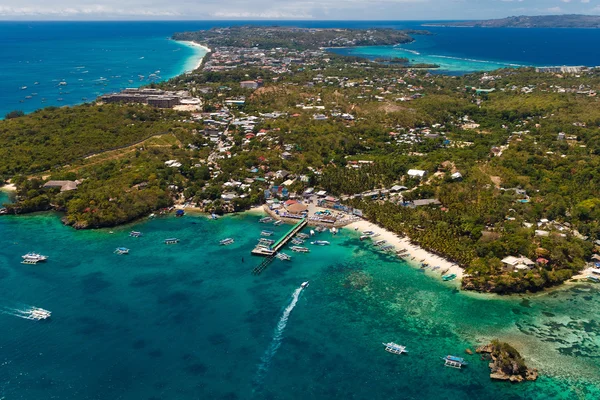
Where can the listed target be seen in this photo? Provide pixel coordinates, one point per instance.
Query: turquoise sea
(93, 58)
(190, 321)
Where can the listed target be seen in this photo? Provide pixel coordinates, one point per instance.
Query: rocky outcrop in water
(506, 363)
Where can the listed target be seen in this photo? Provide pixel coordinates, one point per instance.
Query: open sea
(190, 321)
(65, 63)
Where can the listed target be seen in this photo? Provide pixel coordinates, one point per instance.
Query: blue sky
(287, 9)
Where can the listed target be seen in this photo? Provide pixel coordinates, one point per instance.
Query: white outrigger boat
(135, 234)
(33, 313)
(320, 243)
(121, 250)
(171, 241)
(299, 249)
(266, 233)
(265, 220)
(226, 241)
(283, 256)
(278, 222)
(33, 258)
(395, 348)
(454, 362)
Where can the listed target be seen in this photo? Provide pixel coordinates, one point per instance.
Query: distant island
(540, 21)
(297, 38)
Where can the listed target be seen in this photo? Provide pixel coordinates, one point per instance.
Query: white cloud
(285, 9)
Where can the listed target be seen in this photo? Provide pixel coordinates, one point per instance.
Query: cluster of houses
(277, 60)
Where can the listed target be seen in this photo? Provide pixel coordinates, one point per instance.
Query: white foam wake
(265, 360)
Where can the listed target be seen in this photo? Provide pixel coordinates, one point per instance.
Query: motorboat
(304, 285)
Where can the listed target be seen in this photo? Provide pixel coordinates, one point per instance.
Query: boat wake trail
(265, 360)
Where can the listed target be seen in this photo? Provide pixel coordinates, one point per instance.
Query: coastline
(198, 48)
(8, 187)
(415, 254)
(414, 251)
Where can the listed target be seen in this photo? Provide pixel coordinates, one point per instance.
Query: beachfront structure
(416, 173)
(518, 263)
(64, 186)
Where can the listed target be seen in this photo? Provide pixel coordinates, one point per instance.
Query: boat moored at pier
(300, 249)
(283, 256)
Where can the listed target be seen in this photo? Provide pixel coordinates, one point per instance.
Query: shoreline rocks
(506, 363)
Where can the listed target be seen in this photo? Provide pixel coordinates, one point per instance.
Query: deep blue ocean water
(190, 321)
(93, 58)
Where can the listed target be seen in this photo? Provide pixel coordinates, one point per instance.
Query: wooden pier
(264, 264)
(270, 251)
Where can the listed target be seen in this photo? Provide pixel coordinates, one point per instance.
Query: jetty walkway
(275, 247)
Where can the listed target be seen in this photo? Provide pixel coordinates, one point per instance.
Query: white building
(416, 173)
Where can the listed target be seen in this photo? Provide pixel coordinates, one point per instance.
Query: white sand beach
(197, 45)
(9, 187)
(419, 254)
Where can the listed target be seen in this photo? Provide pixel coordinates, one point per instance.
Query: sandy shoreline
(413, 251)
(197, 45)
(415, 255)
(8, 187)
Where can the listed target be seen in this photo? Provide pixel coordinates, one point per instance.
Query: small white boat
(278, 222)
(33, 258)
(37, 314)
(283, 256)
(171, 241)
(312, 233)
(304, 284)
(226, 241)
(395, 348)
(299, 249)
(320, 243)
(266, 233)
(135, 234)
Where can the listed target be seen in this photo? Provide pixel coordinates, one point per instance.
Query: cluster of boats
(449, 361)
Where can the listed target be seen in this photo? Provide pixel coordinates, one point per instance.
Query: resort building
(518, 263)
(251, 84)
(416, 173)
(64, 186)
